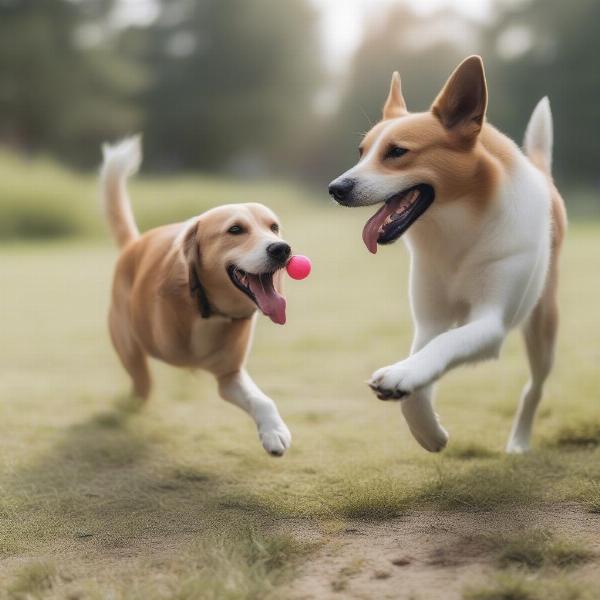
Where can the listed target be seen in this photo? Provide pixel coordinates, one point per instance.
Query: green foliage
(232, 82)
(41, 200)
(56, 91)
(232, 85)
(558, 61)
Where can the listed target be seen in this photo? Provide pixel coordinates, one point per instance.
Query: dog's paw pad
(386, 394)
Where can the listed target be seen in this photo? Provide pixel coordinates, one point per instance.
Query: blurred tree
(550, 47)
(60, 87)
(233, 82)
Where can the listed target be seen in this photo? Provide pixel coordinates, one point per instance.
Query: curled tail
(538, 136)
(121, 160)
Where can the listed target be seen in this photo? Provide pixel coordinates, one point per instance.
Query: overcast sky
(341, 20)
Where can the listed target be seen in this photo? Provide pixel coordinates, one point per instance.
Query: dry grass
(536, 549)
(32, 581)
(515, 586)
(128, 500)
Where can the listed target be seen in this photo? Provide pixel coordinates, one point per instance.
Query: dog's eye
(396, 152)
(235, 230)
(275, 228)
(361, 151)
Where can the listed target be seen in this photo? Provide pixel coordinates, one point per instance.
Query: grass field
(101, 499)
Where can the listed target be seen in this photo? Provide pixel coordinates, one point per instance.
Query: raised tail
(121, 160)
(539, 136)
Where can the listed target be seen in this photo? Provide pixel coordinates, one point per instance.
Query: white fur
(539, 134)
(370, 184)
(120, 161)
(256, 260)
(472, 280)
(243, 392)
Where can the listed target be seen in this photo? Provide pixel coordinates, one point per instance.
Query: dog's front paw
(275, 438)
(398, 380)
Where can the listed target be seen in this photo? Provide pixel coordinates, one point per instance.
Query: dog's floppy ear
(461, 104)
(395, 106)
(191, 252)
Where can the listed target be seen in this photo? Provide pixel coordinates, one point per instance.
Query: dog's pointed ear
(462, 103)
(191, 252)
(395, 106)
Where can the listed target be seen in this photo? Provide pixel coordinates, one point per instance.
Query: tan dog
(484, 225)
(187, 293)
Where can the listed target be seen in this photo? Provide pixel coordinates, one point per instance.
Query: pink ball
(299, 267)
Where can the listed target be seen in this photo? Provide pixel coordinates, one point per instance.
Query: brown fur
(153, 312)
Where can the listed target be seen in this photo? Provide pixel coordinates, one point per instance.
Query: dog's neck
(198, 291)
(204, 306)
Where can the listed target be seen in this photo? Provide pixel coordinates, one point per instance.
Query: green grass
(177, 499)
(40, 200)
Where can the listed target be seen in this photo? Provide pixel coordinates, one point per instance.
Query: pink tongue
(269, 300)
(371, 229)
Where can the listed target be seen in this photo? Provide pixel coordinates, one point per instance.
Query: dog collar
(199, 292)
(206, 310)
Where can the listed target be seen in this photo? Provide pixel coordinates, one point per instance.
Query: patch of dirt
(428, 555)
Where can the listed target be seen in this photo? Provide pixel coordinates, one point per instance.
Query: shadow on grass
(105, 482)
(576, 435)
(479, 482)
(105, 489)
(456, 486)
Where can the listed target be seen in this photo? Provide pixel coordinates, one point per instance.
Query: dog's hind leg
(539, 333)
(131, 354)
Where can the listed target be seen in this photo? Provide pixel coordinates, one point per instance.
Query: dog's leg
(418, 409)
(431, 317)
(132, 356)
(539, 333)
(423, 421)
(239, 389)
(477, 340)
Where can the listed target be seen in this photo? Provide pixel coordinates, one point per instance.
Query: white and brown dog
(187, 293)
(484, 225)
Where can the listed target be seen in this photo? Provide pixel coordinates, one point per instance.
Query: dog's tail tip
(539, 136)
(120, 161)
(123, 158)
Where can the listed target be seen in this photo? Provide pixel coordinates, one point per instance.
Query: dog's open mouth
(260, 289)
(397, 214)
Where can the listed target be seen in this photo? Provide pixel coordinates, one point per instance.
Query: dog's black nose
(340, 190)
(279, 251)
